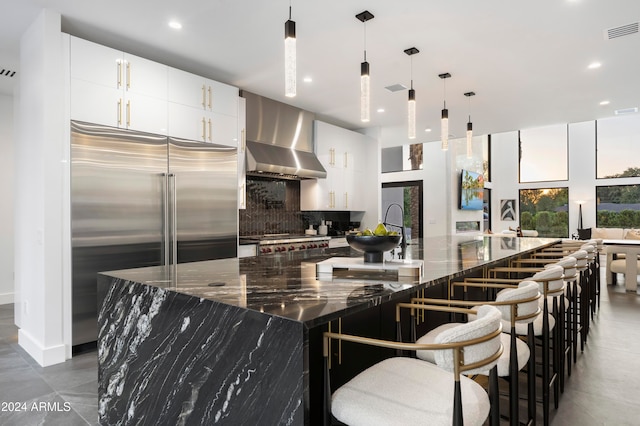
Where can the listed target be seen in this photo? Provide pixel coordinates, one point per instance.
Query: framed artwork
(508, 210)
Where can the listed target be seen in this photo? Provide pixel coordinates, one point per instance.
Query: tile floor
(602, 390)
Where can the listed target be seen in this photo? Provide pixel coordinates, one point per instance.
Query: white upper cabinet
(189, 123)
(341, 152)
(202, 109)
(117, 89)
(201, 93)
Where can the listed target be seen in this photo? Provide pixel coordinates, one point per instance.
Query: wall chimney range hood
(280, 140)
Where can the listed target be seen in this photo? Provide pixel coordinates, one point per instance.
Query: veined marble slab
(170, 359)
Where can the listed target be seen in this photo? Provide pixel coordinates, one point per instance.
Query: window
(545, 210)
(402, 158)
(543, 154)
(409, 196)
(618, 206)
(618, 147)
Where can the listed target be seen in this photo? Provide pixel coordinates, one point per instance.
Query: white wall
(41, 197)
(6, 195)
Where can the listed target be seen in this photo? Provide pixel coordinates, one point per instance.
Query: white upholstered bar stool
(551, 283)
(519, 308)
(409, 391)
(592, 254)
(582, 265)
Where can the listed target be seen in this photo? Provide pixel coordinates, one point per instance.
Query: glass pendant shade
(469, 140)
(290, 58)
(444, 129)
(411, 114)
(365, 92)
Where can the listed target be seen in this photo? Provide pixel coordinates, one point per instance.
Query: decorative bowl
(373, 246)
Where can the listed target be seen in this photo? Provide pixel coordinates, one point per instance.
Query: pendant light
(444, 121)
(290, 57)
(365, 84)
(469, 128)
(411, 106)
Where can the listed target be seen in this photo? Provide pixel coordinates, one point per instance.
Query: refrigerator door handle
(174, 219)
(165, 219)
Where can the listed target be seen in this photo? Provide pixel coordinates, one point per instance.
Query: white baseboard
(43, 356)
(6, 298)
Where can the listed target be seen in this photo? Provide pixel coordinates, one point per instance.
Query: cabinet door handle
(242, 195)
(332, 159)
(210, 131)
(128, 75)
(204, 96)
(128, 113)
(119, 75)
(119, 112)
(243, 141)
(210, 97)
(204, 129)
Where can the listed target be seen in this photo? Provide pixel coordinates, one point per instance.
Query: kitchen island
(238, 341)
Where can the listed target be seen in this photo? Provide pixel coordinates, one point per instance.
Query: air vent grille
(626, 111)
(624, 30)
(396, 87)
(7, 73)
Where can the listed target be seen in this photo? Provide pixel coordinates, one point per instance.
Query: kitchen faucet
(403, 242)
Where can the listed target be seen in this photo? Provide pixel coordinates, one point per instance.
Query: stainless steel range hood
(280, 140)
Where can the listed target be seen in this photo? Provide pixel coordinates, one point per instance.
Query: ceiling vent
(624, 30)
(7, 73)
(626, 111)
(396, 88)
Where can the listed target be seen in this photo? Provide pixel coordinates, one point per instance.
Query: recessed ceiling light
(605, 103)
(428, 129)
(307, 79)
(175, 25)
(594, 65)
(380, 109)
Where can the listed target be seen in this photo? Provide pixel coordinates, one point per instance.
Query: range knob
(302, 247)
(291, 248)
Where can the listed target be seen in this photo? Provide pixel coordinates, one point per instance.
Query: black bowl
(373, 246)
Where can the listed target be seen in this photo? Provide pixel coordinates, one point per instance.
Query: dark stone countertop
(286, 285)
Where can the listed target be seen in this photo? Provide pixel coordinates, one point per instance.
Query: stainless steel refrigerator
(139, 199)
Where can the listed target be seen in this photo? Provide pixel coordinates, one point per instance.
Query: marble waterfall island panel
(168, 358)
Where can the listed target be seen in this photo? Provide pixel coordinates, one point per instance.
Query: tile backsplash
(273, 207)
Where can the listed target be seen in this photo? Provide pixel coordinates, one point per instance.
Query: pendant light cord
(365, 40)
(444, 92)
(411, 72)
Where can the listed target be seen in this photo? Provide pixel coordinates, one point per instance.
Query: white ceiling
(525, 60)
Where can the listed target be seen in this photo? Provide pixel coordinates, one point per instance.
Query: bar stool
(550, 280)
(545, 329)
(519, 308)
(403, 390)
(592, 254)
(582, 295)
